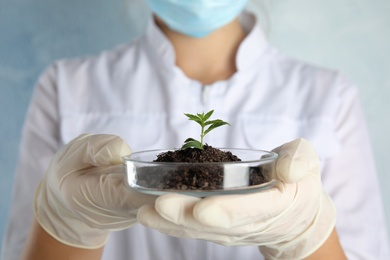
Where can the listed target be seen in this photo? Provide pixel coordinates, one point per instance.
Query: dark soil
(207, 155)
(207, 177)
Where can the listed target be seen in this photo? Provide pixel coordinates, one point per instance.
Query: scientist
(195, 56)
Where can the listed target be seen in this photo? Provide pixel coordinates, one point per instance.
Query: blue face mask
(196, 18)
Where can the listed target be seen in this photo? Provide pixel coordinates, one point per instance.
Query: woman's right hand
(292, 221)
(83, 194)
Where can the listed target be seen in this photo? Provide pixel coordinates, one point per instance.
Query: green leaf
(192, 144)
(189, 139)
(195, 118)
(210, 122)
(215, 125)
(200, 115)
(207, 116)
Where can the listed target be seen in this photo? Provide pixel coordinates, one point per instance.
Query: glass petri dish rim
(271, 157)
(206, 193)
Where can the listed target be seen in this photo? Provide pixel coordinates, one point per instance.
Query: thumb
(106, 149)
(94, 150)
(296, 159)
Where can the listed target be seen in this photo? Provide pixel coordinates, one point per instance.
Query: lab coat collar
(159, 44)
(254, 44)
(248, 52)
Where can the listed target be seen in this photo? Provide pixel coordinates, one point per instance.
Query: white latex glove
(83, 194)
(286, 223)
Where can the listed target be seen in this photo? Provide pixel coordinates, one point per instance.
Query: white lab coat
(136, 91)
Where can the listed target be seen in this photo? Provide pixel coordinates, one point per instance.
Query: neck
(210, 58)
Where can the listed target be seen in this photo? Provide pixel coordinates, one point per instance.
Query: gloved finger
(119, 195)
(149, 217)
(226, 211)
(183, 223)
(176, 208)
(106, 149)
(95, 150)
(296, 159)
(240, 210)
(237, 210)
(102, 192)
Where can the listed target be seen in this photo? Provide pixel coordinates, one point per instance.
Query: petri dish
(252, 174)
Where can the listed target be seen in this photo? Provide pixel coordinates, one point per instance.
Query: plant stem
(201, 137)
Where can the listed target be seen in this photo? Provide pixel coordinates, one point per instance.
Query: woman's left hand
(287, 222)
(83, 195)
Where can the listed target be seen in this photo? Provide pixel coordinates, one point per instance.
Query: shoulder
(83, 83)
(105, 70)
(304, 79)
(105, 61)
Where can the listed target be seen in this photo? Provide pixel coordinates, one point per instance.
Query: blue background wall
(350, 35)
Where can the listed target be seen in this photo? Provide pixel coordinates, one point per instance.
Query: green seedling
(207, 126)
